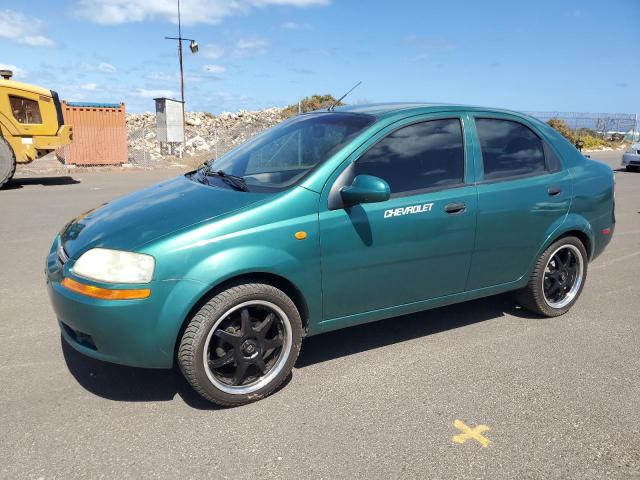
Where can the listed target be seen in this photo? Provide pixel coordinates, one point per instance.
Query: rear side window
(509, 149)
(417, 157)
(25, 110)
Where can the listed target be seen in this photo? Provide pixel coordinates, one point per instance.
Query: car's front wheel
(241, 345)
(557, 279)
(632, 168)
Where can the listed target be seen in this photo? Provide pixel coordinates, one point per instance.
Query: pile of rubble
(204, 133)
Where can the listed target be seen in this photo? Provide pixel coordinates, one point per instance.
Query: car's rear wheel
(557, 279)
(7, 162)
(632, 168)
(241, 345)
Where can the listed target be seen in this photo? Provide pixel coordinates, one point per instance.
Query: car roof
(381, 110)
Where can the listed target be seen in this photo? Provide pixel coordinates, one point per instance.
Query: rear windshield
(281, 156)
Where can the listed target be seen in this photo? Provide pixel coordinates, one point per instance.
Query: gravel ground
(561, 396)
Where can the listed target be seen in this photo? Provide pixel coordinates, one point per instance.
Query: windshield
(281, 156)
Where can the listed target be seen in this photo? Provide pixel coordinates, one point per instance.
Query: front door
(415, 246)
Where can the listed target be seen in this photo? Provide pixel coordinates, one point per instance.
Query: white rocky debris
(204, 132)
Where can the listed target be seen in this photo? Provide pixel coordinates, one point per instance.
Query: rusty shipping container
(99, 134)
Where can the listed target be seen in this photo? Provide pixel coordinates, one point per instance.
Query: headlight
(114, 266)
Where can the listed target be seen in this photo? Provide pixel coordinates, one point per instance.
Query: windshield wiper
(234, 180)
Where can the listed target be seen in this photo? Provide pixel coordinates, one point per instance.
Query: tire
(234, 333)
(7, 162)
(632, 168)
(562, 291)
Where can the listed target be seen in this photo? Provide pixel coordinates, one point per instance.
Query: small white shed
(169, 120)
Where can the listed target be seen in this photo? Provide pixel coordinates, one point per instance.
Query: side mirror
(365, 189)
(579, 144)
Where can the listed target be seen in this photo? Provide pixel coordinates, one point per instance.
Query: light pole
(193, 46)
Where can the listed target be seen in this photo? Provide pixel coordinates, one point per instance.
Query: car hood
(133, 220)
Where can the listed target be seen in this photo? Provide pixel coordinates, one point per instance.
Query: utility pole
(193, 46)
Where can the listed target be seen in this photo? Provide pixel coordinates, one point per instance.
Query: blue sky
(542, 55)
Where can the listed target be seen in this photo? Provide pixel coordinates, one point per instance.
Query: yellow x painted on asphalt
(470, 433)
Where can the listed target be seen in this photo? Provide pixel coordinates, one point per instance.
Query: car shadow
(16, 183)
(360, 338)
(129, 384)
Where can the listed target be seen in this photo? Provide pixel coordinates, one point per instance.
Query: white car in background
(631, 158)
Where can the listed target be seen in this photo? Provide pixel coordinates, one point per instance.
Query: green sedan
(328, 220)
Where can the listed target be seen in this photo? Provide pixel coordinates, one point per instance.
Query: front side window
(281, 156)
(25, 110)
(417, 157)
(509, 149)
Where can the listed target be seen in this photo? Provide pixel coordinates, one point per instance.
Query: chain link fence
(599, 129)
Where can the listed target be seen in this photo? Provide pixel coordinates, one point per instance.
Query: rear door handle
(553, 191)
(455, 208)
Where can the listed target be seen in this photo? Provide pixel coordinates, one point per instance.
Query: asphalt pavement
(560, 397)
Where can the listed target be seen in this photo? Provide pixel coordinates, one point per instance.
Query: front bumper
(28, 149)
(140, 333)
(632, 159)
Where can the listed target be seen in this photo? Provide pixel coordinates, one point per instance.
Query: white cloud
(116, 12)
(244, 47)
(295, 26)
(18, 72)
(212, 51)
(214, 68)
(19, 28)
(291, 3)
(89, 86)
(143, 92)
(164, 77)
(103, 67)
(106, 67)
(251, 47)
(37, 41)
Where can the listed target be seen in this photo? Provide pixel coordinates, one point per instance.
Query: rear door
(415, 246)
(523, 196)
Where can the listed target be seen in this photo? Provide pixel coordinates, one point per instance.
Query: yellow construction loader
(31, 124)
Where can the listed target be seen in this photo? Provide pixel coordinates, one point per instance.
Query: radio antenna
(330, 109)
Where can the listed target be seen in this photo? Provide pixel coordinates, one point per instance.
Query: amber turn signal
(105, 293)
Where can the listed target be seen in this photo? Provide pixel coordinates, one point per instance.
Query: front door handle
(455, 208)
(553, 191)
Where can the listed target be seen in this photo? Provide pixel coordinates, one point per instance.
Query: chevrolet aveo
(328, 220)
